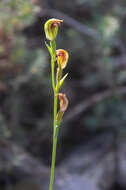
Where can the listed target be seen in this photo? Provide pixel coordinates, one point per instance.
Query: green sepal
(62, 80)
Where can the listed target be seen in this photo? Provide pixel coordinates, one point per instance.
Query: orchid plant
(61, 57)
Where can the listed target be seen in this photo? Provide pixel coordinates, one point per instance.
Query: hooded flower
(63, 102)
(62, 58)
(51, 28)
(63, 106)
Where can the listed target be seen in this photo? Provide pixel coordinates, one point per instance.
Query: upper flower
(62, 58)
(51, 28)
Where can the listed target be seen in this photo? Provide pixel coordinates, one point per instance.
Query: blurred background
(91, 152)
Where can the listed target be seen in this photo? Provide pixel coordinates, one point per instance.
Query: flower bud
(63, 102)
(63, 106)
(62, 58)
(51, 28)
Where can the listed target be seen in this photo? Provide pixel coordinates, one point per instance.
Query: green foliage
(18, 60)
(15, 15)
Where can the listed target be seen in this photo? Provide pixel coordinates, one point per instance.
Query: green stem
(53, 163)
(53, 74)
(53, 59)
(55, 127)
(55, 134)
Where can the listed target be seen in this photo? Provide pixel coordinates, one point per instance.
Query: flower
(63, 106)
(62, 58)
(63, 102)
(51, 28)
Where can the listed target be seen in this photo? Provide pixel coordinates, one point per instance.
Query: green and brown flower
(51, 28)
(62, 58)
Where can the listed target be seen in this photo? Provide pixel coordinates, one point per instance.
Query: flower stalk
(61, 56)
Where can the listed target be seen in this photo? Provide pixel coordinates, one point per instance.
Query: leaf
(49, 48)
(62, 80)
